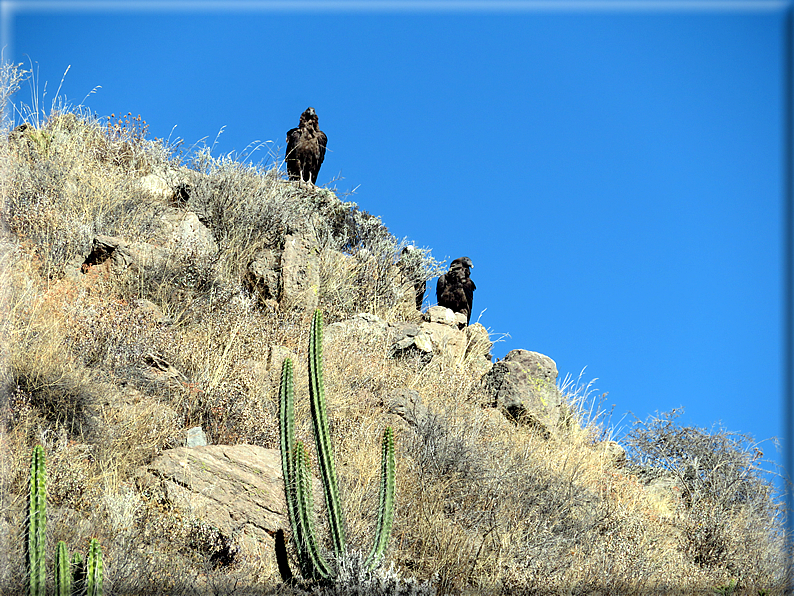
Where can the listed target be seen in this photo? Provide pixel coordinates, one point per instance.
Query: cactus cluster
(73, 577)
(297, 474)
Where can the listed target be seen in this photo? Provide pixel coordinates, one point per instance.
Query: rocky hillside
(147, 306)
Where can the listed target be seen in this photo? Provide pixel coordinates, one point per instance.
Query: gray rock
(237, 489)
(263, 277)
(286, 279)
(407, 404)
(118, 256)
(439, 335)
(403, 329)
(196, 437)
(523, 387)
(156, 186)
(441, 314)
(411, 341)
(182, 234)
(168, 184)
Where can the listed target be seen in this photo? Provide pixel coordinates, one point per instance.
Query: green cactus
(386, 505)
(70, 577)
(37, 522)
(322, 440)
(94, 570)
(297, 474)
(63, 571)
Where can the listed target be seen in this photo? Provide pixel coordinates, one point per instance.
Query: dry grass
(483, 506)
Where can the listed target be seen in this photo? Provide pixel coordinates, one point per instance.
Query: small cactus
(94, 570)
(72, 578)
(37, 523)
(63, 571)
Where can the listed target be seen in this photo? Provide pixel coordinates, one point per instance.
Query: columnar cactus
(297, 475)
(322, 439)
(37, 522)
(94, 572)
(386, 505)
(63, 571)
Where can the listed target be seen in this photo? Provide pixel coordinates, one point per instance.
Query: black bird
(305, 148)
(455, 289)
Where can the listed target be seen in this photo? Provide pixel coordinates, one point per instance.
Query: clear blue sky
(614, 172)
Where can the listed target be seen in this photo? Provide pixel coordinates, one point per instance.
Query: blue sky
(613, 169)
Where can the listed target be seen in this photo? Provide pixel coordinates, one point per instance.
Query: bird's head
(462, 262)
(309, 115)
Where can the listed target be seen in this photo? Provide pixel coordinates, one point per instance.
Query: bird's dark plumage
(455, 290)
(306, 148)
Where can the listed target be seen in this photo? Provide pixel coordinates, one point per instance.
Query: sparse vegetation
(483, 506)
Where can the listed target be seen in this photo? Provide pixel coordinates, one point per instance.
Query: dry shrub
(732, 521)
(249, 208)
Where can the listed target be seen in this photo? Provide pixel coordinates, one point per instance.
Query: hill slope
(144, 297)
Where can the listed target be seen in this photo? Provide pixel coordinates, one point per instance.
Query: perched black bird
(306, 148)
(455, 289)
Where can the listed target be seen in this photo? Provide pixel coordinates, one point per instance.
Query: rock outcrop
(287, 278)
(237, 490)
(180, 237)
(443, 332)
(523, 387)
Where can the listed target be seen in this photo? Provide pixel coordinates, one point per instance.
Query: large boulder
(444, 316)
(523, 387)
(183, 235)
(156, 186)
(237, 490)
(180, 236)
(168, 185)
(117, 255)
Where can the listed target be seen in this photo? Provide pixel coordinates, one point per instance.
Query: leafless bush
(720, 466)
(733, 519)
(62, 193)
